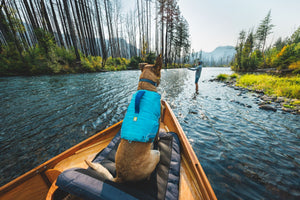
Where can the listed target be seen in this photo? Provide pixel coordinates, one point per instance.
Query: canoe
(39, 183)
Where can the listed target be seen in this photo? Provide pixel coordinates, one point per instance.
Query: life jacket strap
(148, 81)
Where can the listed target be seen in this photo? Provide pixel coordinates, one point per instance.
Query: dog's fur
(135, 161)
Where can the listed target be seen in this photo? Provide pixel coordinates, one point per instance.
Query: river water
(247, 153)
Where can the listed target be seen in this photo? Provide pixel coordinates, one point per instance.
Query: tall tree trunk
(76, 19)
(140, 29)
(101, 35)
(64, 24)
(14, 34)
(71, 28)
(108, 19)
(45, 16)
(56, 25)
(156, 29)
(162, 7)
(81, 29)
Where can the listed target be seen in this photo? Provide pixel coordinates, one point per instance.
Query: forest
(253, 53)
(75, 36)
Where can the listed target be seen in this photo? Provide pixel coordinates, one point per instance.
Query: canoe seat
(163, 183)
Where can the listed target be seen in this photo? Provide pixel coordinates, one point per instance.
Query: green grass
(222, 77)
(288, 106)
(272, 85)
(234, 75)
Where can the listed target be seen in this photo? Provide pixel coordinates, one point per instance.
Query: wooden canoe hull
(35, 184)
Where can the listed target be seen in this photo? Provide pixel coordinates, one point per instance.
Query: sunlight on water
(247, 153)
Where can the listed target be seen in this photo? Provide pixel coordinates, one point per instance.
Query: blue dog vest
(141, 121)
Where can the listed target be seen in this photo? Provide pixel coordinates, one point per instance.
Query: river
(246, 153)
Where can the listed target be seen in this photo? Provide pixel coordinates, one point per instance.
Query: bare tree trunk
(101, 35)
(140, 29)
(72, 31)
(45, 16)
(14, 34)
(108, 19)
(56, 25)
(162, 7)
(156, 29)
(81, 29)
(64, 24)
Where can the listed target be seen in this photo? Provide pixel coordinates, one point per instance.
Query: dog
(135, 160)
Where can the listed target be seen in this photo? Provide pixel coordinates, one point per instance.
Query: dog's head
(150, 72)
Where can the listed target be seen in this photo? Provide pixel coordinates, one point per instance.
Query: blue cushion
(163, 183)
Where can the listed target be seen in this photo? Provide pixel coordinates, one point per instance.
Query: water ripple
(247, 153)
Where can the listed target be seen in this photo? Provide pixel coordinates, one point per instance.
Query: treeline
(62, 36)
(252, 53)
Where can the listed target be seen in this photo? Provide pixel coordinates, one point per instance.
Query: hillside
(219, 57)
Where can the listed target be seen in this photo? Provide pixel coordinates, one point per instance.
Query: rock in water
(267, 107)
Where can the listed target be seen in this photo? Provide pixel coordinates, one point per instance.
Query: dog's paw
(155, 152)
(100, 169)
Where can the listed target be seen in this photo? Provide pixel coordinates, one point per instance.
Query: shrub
(150, 58)
(234, 75)
(134, 62)
(222, 77)
(295, 67)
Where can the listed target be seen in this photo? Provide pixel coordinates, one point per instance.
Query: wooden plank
(34, 189)
(77, 160)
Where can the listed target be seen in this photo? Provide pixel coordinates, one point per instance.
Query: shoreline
(265, 102)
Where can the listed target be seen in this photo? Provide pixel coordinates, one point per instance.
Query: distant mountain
(221, 56)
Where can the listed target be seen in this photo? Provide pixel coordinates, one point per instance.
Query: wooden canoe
(39, 183)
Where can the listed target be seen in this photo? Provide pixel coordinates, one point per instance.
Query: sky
(214, 23)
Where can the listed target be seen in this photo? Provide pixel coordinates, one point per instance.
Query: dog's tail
(102, 171)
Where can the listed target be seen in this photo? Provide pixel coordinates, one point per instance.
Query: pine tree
(263, 31)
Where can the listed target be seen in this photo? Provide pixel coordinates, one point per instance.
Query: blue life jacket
(141, 122)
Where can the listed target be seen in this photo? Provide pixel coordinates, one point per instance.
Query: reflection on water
(247, 153)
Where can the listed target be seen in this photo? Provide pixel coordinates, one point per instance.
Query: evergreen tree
(263, 31)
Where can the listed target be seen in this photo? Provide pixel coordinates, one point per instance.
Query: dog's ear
(142, 65)
(159, 62)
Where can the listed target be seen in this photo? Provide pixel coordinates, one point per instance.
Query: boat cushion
(141, 122)
(163, 182)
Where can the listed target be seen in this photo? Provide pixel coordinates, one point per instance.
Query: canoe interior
(36, 184)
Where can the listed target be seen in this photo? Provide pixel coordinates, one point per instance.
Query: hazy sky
(216, 23)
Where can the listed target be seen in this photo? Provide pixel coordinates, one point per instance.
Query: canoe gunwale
(40, 170)
(188, 152)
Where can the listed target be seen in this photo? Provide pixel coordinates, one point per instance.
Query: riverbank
(274, 92)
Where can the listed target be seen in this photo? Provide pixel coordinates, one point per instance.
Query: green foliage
(150, 58)
(272, 85)
(134, 62)
(222, 77)
(234, 76)
(285, 54)
(295, 38)
(288, 106)
(91, 63)
(10, 61)
(45, 40)
(289, 54)
(263, 31)
(295, 67)
(116, 64)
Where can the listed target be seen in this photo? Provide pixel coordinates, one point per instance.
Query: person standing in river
(198, 70)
